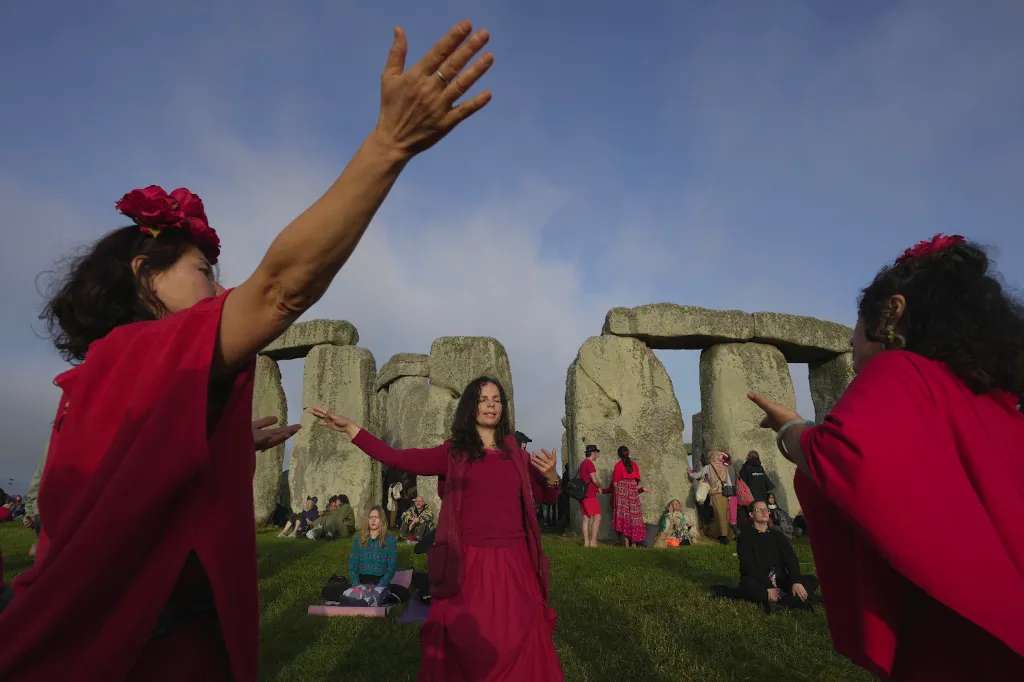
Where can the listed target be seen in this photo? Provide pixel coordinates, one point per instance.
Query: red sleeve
(905, 437)
(419, 461)
(618, 473)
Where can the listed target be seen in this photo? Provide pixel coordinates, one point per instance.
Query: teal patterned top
(376, 558)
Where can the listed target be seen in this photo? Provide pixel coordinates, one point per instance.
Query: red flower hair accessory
(936, 244)
(154, 210)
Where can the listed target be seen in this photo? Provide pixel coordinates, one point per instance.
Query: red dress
(628, 519)
(489, 618)
(136, 481)
(914, 505)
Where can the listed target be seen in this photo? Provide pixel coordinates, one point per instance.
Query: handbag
(728, 489)
(746, 497)
(702, 491)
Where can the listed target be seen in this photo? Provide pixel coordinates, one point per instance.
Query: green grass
(625, 615)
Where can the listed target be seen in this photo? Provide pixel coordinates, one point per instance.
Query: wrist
(382, 146)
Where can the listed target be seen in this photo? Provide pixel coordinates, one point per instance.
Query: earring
(894, 339)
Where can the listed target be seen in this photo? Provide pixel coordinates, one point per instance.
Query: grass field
(624, 615)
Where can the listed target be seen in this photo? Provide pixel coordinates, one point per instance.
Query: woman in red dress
(628, 516)
(912, 487)
(146, 566)
(489, 618)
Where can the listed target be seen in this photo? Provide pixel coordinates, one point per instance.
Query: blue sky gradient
(761, 156)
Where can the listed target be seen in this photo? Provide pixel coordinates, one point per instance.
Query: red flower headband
(154, 210)
(936, 244)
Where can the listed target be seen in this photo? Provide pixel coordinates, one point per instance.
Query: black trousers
(754, 590)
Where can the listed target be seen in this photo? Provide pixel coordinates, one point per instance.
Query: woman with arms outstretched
(930, 428)
(489, 618)
(153, 435)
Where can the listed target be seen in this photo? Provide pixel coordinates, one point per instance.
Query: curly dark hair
(957, 312)
(465, 438)
(96, 291)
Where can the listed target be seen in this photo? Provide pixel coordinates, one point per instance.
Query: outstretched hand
(265, 436)
(335, 422)
(544, 462)
(776, 414)
(418, 105)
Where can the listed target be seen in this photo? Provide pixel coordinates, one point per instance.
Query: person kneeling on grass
(338, 521)
(769, 570)
(417, 521)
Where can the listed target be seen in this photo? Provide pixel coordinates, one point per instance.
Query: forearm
(419, 461)
(305, 257)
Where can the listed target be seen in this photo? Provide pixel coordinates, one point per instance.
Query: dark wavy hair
(957, 312)
(96, 291)
(623, 453)
(465, 438)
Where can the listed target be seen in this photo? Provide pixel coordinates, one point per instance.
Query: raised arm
(545, 482)
(419, 461)
(417, 109)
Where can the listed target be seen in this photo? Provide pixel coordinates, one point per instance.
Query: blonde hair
(671, 506)
(364, 532)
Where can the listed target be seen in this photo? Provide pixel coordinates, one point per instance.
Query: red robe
(914, 502)
(134, 483)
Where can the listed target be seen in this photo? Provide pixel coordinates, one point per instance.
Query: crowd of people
(146, 504)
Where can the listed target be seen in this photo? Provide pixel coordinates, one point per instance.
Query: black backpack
(576, 488)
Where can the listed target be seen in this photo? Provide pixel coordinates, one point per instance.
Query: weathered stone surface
(297, 341)
(697, 440)
(829, 380)
(284, 493)
(801, 339)
(618, 393)
(732, 422)
(324, 462)
(268, 400)
(667, 325)
(434, 428)
(402, 365)
(457, 360)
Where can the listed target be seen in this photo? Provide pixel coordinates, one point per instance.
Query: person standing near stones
(933, 420)
(719, 479)
(590, 508)
(489, 618)
(153, 435)
(628, 515)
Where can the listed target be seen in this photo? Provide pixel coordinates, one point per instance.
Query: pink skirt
(496, 628)
(628, 519)
(589, 506)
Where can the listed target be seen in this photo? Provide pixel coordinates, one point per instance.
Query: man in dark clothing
(769, 570)
(756, 478)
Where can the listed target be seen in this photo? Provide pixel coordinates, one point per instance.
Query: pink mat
(365, 611)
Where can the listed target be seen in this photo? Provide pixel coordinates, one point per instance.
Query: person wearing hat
(589, 506)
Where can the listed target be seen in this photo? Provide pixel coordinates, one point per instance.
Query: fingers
(461, 83)
(395, 64)
(444, 48)
(264, 422)
(463, 111)
(761, 402)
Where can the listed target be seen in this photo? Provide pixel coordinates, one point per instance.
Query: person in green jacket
(339, 521)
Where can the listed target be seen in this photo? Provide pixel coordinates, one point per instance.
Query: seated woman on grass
(372, 561)
(674, 529)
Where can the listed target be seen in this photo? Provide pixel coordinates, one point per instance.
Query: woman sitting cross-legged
(372, 561)
(489, 618)
(673, 529)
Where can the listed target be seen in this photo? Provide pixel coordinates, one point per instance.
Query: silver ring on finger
(441, 76)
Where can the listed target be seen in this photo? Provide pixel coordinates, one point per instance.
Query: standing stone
(284, 493)
(732, 422)
(457, 360)
(434, 428)
(697, 436)
(324, 462)
(268, 400)
(829, 380)
(618, 393)
(299, 338)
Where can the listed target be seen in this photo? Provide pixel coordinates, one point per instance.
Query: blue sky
(753, 155)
